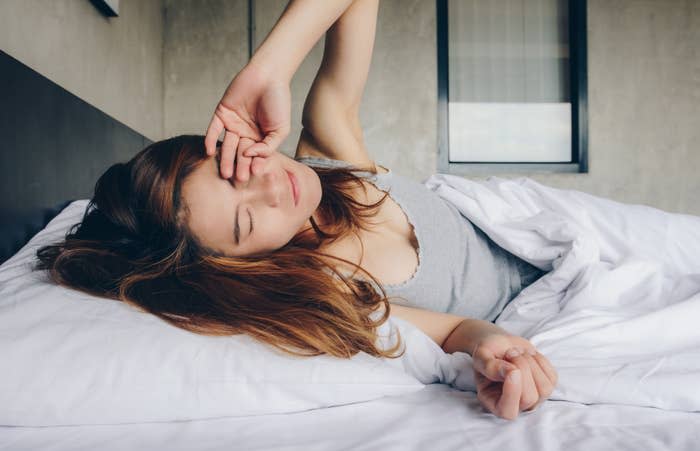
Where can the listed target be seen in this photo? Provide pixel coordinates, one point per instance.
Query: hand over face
(509, 383)
(255, 114)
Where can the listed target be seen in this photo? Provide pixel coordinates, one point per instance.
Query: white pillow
(70, 358)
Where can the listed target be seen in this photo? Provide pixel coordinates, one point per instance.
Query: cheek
(274, 229)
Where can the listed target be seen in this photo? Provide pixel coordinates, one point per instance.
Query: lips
(295, 188)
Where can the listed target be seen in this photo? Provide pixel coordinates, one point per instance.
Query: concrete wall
(114, 64)
(643, 61)
(398, 112)
(205, 44)
(644, 90)
(644, 104)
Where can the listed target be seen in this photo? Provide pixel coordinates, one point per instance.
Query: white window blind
(509, 81)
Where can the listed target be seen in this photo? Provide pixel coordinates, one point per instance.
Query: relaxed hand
(507, 385)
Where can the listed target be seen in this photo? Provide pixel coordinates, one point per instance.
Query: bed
(436, 418)
(54, 400)
(623, 396)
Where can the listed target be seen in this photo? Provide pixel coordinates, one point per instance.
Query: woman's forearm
(468, 333)
(299, 27)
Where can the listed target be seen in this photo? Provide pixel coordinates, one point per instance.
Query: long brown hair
(133, 245)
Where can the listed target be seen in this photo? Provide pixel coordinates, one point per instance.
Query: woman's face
(259, 215)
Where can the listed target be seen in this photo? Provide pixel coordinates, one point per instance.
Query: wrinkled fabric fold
(617, 311)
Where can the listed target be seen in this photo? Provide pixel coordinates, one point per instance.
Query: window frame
(579, 103)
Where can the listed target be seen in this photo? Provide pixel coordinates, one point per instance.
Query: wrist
(260, 71)
(469, 333)
(268, 69)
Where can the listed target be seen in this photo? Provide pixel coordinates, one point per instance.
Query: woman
(298, 252)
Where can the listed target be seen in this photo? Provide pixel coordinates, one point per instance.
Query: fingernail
(532, 352)
(513, 352)
(502, 371)
(514, 376)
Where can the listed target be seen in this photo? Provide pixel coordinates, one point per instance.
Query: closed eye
(232, 181)
(237, 227)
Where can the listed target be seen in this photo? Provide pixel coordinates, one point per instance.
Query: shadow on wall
(55, 146)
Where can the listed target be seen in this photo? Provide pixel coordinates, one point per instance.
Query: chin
(312, 193)
(317, 190)
(311, 185)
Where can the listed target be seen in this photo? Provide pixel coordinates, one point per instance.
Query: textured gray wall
(644, 104)
(399, 108)
(163, 64)
(205, 44)
(644, 90)
(114, 64)
(398, 111)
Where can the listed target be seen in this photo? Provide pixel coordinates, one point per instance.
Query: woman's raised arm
(257, 103)
(299, 27)
(331, 116)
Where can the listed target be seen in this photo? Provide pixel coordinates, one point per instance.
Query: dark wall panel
(54, 146)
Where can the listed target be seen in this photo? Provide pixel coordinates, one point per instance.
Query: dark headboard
(54, 147)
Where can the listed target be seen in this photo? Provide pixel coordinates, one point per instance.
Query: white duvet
(618, 313)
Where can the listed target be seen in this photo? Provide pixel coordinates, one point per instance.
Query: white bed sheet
(435, 418)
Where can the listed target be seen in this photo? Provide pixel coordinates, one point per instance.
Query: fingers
(216, 126)
(243, 164)
(499, 383)
(257, 165)
(228, 121)
(269, 144)
(259, 150)
(502, 399)
(543, 378)
(547, 368)
(544, 385)
(228, 152)
(487, 364)
(508, 405)
(530, 393)
(534, 381)
(274, 139)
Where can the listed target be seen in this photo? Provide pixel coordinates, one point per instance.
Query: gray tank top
(460, 269)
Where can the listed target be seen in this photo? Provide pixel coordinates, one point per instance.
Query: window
(512, 86)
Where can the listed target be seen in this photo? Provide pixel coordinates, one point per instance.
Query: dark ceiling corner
(109, 8)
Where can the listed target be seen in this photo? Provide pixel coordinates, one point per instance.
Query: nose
(272, 187)
(267, 186)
